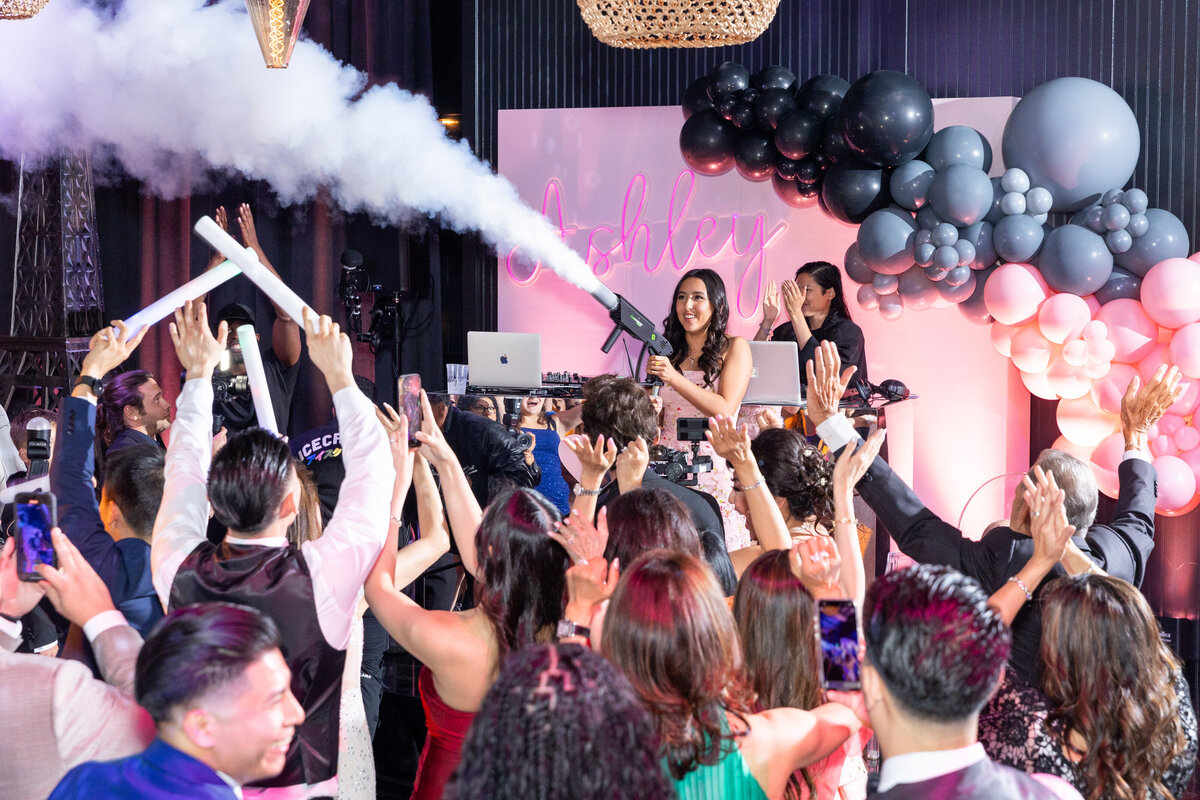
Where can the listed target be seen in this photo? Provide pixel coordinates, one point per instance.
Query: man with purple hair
(132, 411)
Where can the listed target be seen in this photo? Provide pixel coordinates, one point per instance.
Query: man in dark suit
(935, 652)
(214, 680)
(1121, 547)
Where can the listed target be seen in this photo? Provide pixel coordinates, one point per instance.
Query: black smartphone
(837, 635)
(37, 515)
(691, 429)
(410, 398)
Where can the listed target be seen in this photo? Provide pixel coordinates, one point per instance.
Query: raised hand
(631, 465)
(728, 441)
(107, 349)
(793, 301)
(826, 383)
(582, 540)
(661, 367)
(434, 446)
(396, 426)
(222, 220)
(330, 350)
(17, 597)
(198, 350)
(816, 563)
(245, 220)
(1048, 525)
(595, 458)
(1142, 406)
(770, 305)
(75, 589)
(590, 583)
(855, 460)
(768, 417)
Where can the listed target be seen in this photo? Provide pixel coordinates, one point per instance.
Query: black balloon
(822, 95)
(821, 160)
(790, 192)
(731, 77)
(771, 106)
(798, 134)
(755, 156)
(833, 142)
(809, 190)
(725, 105)
(852, 190)
(785, 168)
(707, 142)
(887, 118)
(808, 171)
(748, 95)
(775, 76)
(743, 116)
(695, 97)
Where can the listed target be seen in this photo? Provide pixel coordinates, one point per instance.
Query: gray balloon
(961, 194)
(1138, 223)
(885, 284)
(1120, 285)
(958, 276)
(885, 240)
(923, 254)
(857, 269)
(891, 306)
(959, 144)
(995, 214)
(973, 307)
(927, 219)
(957, 293)
(910, 184)
(945, 257)
(980, 236)
(1135, 200)
(1118, 241)
(1074, 136)
(1017, 238)
(966, 253)
(1165, 237)
(917, 290)
(944, 235)
(1075, 260)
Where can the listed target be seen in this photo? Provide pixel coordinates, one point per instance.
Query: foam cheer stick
(247, 260)
(259, 391)
(165, 305)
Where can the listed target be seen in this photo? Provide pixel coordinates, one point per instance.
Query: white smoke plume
(172, 88)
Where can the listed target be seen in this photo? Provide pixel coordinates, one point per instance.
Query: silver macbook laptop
(504, 360)
(775, 377)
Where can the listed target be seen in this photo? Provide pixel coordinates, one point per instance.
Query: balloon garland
(1080, 308)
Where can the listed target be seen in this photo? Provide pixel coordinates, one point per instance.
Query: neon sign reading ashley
(677, 242)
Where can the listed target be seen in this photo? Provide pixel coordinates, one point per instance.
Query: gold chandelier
(20, 9)
(277, 26)
(677, 23)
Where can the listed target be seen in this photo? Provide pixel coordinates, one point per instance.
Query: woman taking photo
(543, 426)
(705, 376)
(816, 306)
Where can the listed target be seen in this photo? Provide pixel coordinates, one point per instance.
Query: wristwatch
(580, 491)
(568, 628)
(96, 385)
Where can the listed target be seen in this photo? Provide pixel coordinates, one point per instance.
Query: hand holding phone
(410, 397)
(37, 515)
(837, 635)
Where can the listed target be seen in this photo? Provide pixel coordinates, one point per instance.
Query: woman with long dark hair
(816, 307)
(520, 583)
(705, 376)
(670, 631)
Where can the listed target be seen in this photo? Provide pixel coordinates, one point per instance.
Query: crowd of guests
(216, 603)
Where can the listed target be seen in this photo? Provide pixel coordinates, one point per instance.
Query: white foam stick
(247, 260)
(39, 484)
(196, 287)
(259, 391)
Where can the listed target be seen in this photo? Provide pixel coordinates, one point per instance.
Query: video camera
(676, 465)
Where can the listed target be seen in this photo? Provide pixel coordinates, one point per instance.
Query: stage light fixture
(277, 26)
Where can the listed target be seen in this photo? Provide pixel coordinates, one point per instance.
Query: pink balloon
(1030, 351)
(1067, 381)
(1075, 352)
(1083, 423)
(1176, 484)
(1184, 351)
(1170, 424)
(1105, 460)
(1084, 454)
(1101, 350)
(1108, 391)
(1002, 336)
(1162, 446)
(1097, 369)
(1129, 328)
(1187, 438)
(1093, 304)
(1155, 358)
(1194, 257)
(1062, 317)
(1192, 459)
(1038, 385)
(1013, 293)
(1187, 403)
(1171, 292)
(1095, 331)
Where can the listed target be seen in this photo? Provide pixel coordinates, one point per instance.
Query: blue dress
(545, 452)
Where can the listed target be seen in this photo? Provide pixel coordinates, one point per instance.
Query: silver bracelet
(760, 482)
(1024, 588)
(396, 519)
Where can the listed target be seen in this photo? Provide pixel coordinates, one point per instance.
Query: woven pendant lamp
(677, 23)
(20, 9)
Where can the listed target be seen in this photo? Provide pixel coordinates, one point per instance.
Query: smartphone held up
(37, 515)
(836, 625)
(410, 399)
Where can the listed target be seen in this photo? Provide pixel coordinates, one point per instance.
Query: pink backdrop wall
(614, 183)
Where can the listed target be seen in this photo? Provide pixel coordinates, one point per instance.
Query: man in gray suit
(56, 715)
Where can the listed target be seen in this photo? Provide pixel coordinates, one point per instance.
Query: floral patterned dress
(719, 482)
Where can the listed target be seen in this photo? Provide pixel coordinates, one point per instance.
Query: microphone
(351, 260)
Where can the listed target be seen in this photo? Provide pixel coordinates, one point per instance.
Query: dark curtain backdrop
(540, 54)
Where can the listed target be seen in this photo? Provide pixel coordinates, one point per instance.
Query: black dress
(1014, 730)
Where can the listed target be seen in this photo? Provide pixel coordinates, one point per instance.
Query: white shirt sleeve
(837, 432)
(341, 558)
(183, 515)
(102, 622)
(1140, 455)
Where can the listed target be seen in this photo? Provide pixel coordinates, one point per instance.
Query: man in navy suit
(214, 680)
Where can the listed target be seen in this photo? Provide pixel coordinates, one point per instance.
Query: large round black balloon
(695, 97)
(833, 141)
(775, 76)
(707, 141)
(771, 106)
(852, 190)
(887, 118)
(798, 134)
(755, 156)
(731, 77)
(743, 116)
(822, 95)
(789, 192)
